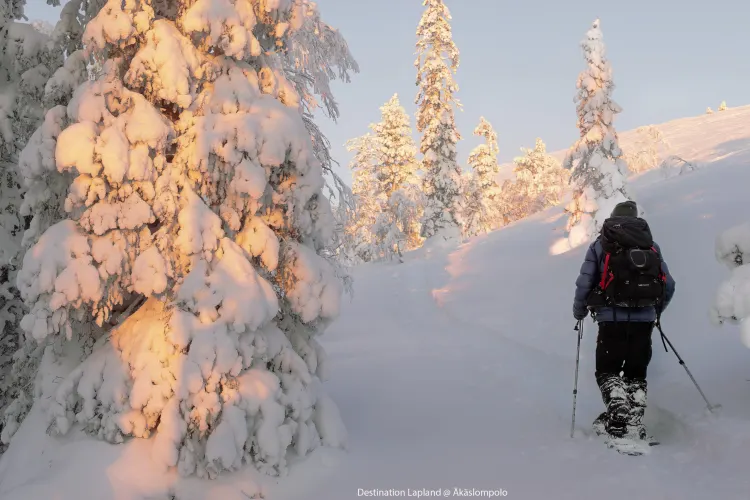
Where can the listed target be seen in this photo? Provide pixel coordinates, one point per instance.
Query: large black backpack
(632, 274)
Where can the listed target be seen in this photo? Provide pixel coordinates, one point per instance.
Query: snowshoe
(640, 434)
(627, 446)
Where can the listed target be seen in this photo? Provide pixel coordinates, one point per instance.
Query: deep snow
(455, 369)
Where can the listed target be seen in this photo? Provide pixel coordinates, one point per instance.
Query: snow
(443, 378)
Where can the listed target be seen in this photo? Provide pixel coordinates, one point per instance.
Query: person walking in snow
(625, 283)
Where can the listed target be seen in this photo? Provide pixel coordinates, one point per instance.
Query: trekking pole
(664, 339)
(579, 328)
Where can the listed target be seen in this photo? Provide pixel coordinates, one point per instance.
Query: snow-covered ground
(455, 370)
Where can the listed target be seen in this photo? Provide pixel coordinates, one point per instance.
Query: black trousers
(623, 347)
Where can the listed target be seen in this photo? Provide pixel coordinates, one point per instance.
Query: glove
(580, 316)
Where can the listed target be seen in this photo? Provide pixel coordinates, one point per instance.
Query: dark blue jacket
(591, 272)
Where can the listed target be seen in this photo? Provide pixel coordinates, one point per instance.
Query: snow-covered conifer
(481, 190)
(732, 302)
(396, 181)
(397, 163)
(540, 180)
(709, 111)
(367, 200)
(598, 172)
(437, 60)
(196, 220)
(723, 106)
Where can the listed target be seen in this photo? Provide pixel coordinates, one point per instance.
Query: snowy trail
(456, 369)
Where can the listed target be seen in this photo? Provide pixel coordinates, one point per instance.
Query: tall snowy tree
(598, 172)
(732, 302)
(397, 182)
(540, 179)
(723, 106)
(188, 276)
(437, 61)
(481, 191)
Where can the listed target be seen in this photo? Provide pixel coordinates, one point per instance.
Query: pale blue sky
(520, 61)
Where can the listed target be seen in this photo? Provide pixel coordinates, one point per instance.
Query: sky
(520, 61)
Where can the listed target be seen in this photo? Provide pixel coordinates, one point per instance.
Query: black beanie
(625, 209)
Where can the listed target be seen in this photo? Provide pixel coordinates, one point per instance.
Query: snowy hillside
(455, 370)
(721, 135)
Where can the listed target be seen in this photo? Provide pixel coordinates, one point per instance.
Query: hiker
(626, 285)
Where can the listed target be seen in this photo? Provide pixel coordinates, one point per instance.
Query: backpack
(632, 275)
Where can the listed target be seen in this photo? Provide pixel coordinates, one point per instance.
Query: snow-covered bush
(598, 172)
(480, 190)
(709, 111)
(676, 165)
(437, 60)
(195, 226)
(648, 151)
(732, 302)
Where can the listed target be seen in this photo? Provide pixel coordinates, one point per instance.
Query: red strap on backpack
(662, 275)
(607, 276)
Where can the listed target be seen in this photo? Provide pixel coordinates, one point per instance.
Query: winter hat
(625, 209)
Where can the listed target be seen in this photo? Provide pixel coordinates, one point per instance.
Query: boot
(637, 390)
(615, 396)
(599, 424)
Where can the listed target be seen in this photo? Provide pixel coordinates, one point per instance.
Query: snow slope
(455, 370)
(702, 138)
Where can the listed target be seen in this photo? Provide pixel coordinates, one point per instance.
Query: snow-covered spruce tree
(709, 111)
(397, 227)
(540, 179)
(649, 150)
(472, 205)
(368, 202)
(598, 172)
(732, 302)
(196, 220)
(437, 60)
(481, 190)
(723, 106)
